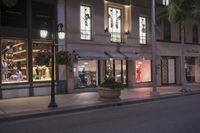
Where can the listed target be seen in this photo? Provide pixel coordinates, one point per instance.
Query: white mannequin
(4, 70)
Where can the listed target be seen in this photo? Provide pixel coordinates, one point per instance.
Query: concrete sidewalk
(35, 106)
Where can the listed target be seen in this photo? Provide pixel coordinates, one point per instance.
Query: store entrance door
(168, 71)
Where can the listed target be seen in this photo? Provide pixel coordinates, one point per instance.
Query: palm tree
(9, 3)
(177, 12)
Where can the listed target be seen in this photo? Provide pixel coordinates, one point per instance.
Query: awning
(115, 55)
(98, 55)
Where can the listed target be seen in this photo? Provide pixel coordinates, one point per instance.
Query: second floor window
(143, 30)
(195, 34)
(167, 31)
(85, 23)
(115, 24)
(165, 2)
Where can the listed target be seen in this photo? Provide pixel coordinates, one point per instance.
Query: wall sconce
(106, 29)
(127, 32)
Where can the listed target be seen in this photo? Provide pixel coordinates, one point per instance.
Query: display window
(41, 72)
(85, 73)
(14, 61)
(116, 69)
(143, 71)
(192, 70)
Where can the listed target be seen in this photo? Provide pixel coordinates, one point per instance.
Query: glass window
(143, 30)
(109, 68)
(85, 73)
(118, 72)
(166, 2)
(85, 22)
(167, 31)
(115, 24)
(143, 71)
(14, 61)
(124, 71)
(195, 34)
(41, 72)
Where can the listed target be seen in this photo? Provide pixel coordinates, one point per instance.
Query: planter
(109, 93)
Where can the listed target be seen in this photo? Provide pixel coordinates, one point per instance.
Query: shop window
(116, 69)
(85, 73)
(115, 24)
(14, 61)
(85, 22)
(165, 2)
(143, 71)
(109, 68)
(195, 34)
(192, 70)
(143, 30)
(41, 72)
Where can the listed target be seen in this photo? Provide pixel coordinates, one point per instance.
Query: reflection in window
(165, 2)
(85, 22)
(41, 72)
(115, 22)
(143, 71)
(143, 30)
(118, 72)
(109, 68)
(85, 73)
(14, 61)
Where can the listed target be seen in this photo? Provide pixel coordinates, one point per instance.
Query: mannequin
(4, 69)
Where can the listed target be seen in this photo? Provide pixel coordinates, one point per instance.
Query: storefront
(168, 70)
(192, 69)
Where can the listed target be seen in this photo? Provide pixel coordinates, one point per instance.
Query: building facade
(109, 38)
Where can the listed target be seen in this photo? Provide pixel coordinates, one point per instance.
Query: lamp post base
(52, 105)
(154, 93)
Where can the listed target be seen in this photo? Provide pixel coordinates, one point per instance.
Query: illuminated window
(143, 30)
(143, 71)
(166, 2)
(41, 72)
(115, 24)
(85, 22)
(14, 61)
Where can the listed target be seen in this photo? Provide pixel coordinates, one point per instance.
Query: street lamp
(61, 35)
(154, 91)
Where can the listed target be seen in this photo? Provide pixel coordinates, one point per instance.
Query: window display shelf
(18, 44)
(20, 60)
(20, 52)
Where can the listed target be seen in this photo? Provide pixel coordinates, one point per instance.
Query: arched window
(195, 34)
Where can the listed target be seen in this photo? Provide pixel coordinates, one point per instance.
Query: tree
(177, 12)
(9, 3)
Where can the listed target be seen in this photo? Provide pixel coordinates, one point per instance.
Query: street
(176, 115)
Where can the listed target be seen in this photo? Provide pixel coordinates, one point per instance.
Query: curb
(65, 110)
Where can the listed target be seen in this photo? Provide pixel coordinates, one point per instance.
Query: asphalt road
(177, 115)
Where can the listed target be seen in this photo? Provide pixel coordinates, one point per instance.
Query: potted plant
(110, 88)
(64, 58)
(42, 58)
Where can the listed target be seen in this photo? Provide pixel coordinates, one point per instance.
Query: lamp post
(154, 91)
(61, 35)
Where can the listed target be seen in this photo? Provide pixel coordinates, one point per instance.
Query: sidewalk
(35, 106)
